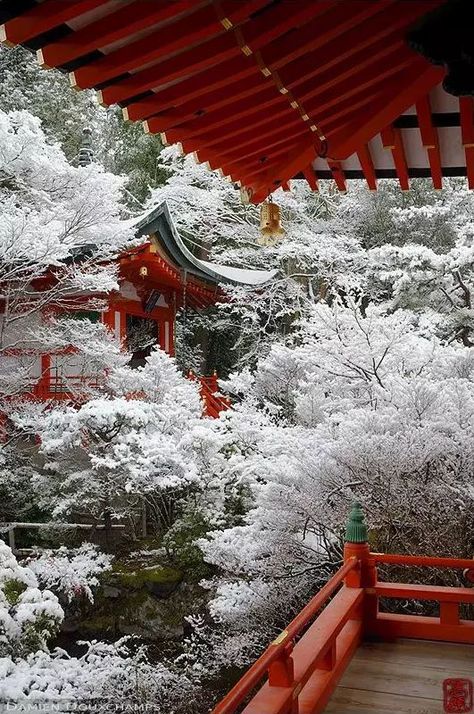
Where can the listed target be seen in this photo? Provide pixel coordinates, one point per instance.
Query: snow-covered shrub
(72, 572)
(105, 675)
(29, 616)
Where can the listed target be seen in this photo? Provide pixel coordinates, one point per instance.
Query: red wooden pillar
(43, 387)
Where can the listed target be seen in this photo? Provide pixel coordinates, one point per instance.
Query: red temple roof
(265, 90)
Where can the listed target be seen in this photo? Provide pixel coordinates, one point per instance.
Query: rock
(111, 592)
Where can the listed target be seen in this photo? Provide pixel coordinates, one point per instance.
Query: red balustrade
(302, 667)
(214, 402)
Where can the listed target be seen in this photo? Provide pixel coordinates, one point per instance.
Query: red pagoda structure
(156, 279)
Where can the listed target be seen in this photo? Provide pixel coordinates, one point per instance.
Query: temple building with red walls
(156, 279)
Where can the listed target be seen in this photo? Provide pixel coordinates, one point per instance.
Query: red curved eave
(159, 274)
(261, 88)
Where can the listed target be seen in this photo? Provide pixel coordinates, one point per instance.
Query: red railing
(74, 388)
(447, 627)
(214, 402)
(302, 675)
(290, 667)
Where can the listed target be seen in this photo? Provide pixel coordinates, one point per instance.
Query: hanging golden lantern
(270, 224)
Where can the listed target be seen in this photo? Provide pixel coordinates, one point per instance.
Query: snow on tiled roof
(159, 222)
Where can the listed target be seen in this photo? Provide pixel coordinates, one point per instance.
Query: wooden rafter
(420, 79)
(112, 28)
(429, 138)
(258, 34)
(269, 99)
(197, 28)
(311, 178)
(258, 90)
(365, 160)
(338, 175)
(42, 18)
(252, 85)
(392, 139)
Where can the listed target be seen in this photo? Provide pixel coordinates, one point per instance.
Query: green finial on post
(356, 529)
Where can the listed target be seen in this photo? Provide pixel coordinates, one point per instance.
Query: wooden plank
(411, 652)
(359, 701)
(404, 677)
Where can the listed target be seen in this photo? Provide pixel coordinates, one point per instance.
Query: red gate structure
(300, 670)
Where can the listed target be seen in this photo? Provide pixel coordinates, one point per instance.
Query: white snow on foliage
(72, 573)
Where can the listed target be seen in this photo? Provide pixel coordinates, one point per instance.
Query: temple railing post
(281, 673)
(365, 575)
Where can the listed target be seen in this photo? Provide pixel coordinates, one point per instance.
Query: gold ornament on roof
(270, 224)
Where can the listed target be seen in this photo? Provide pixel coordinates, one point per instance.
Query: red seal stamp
(457, 695)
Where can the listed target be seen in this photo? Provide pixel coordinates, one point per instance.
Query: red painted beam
(333, 92)
(244, 143)
(211, 84)
(218, 120)
(293, 163)
(229, 162)
(338, 175)
(327, 29)
(255, 85)
(429, 138)
(248, 170)
(467, 131)
(159, 45)
(42, 18)
(382, 32)
(333, 97)
(256, 33)
(390, 103)
(311, 178)
(420, 79)
(124, 23)
(189, 69)
(197, 107)
(226, 124)
(365, 160)
(390, 626)
(392, 139)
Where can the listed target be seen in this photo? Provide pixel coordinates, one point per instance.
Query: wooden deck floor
(405, 677)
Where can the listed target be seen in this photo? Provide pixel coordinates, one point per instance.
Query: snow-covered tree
(31, 674)
(120, 147)
(58, 227)
(113, 454)
(369, 408)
